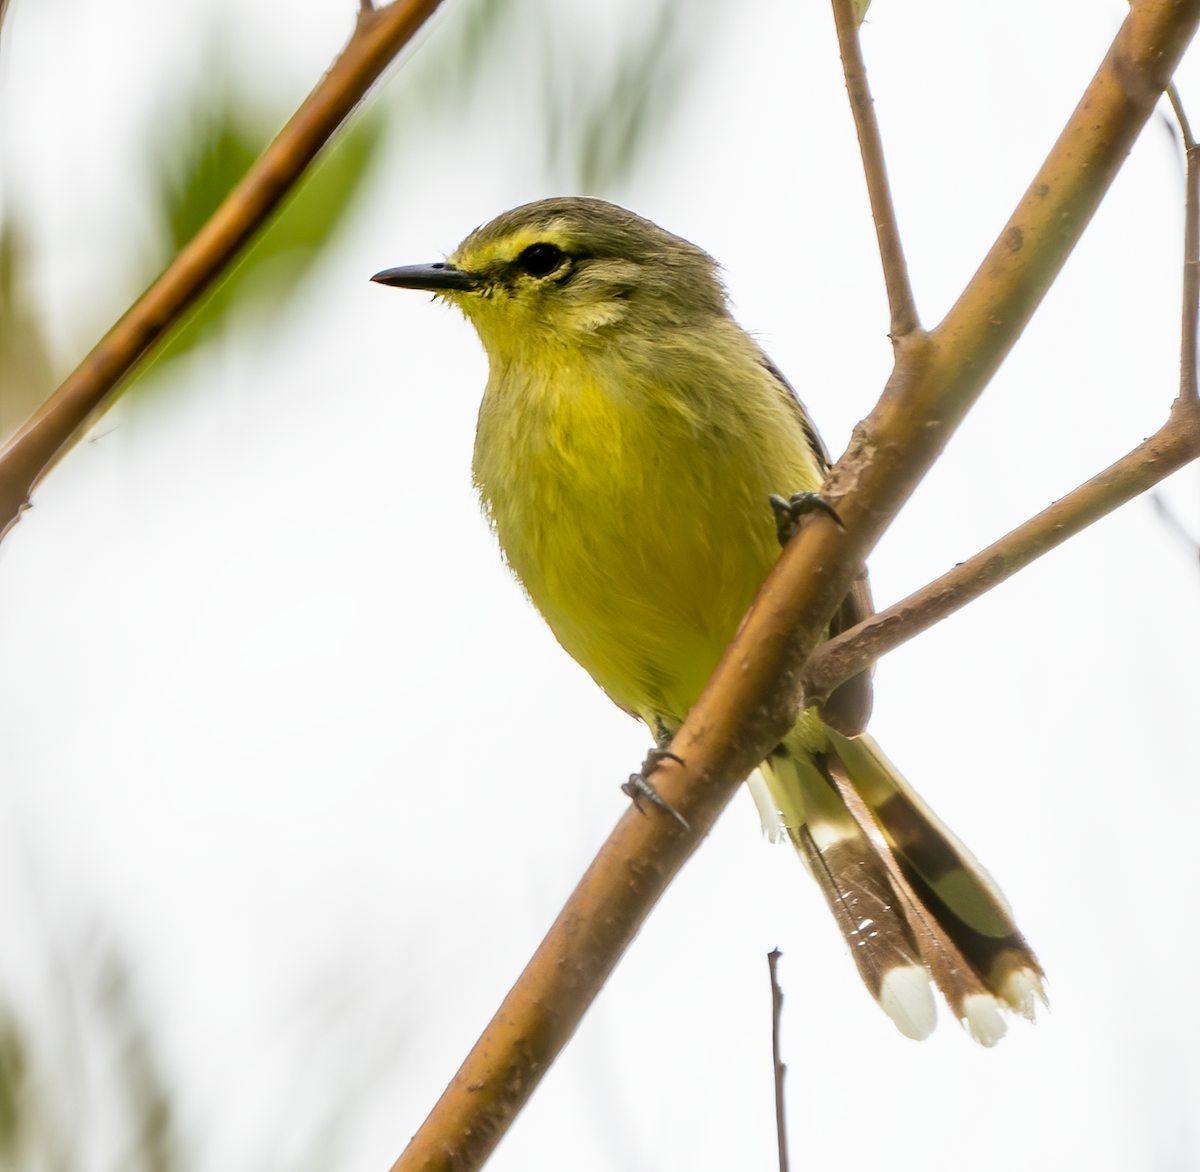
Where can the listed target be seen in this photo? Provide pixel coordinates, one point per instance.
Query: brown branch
(378, 36)
(780, 1069)
(870, 144)
(1191, 259)
(1175, 445)
(748, 704)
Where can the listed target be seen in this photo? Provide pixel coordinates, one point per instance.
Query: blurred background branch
(1173, 523)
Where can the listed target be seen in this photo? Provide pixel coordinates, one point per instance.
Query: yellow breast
(633, 508)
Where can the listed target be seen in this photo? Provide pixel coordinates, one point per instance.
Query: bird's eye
(538, 260)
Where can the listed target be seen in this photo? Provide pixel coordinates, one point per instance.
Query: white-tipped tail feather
(768, 812)
(906, 996)
(910, 900)
(1019, 989)
(984, 1019)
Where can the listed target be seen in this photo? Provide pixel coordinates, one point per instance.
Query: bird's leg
(639, 785)
(789, 512)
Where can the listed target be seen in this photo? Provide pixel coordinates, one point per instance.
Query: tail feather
(909, 898)
(862, 901)
(858, 888)
(962, 986)
(946, 876)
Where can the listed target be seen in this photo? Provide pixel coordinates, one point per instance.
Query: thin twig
(1184, 126)
(780, 1070)
(1191, 251)
(847, 654)
(748, 704)
(1191, 259)
(378, 36)
(870, 144)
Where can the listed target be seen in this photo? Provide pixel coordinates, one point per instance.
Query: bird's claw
(789, 512)
(639, 786)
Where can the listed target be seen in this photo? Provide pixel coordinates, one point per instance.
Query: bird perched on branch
(630, 438)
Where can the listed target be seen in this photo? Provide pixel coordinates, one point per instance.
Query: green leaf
(271, 271)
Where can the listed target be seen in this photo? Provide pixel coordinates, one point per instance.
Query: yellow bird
(631, 438)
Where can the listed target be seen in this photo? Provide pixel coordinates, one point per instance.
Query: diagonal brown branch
(1175, 445)
(870, 145)
(748, 704)
(378, 36)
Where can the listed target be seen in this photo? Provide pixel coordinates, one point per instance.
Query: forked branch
(1165, 452)
(378, 36)
(1174, 445)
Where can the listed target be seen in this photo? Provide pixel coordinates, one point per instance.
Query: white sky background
(274, 714)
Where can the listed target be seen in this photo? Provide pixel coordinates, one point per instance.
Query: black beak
(434, 277)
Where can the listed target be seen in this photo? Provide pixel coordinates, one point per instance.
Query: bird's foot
(639, 785)
(788, 513)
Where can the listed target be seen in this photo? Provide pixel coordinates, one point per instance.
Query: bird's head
(570, 272)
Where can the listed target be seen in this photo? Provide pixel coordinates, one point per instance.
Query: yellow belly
(640, 528)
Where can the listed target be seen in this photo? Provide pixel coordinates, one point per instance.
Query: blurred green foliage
(214, 155)
(92, 1079)
(152, 1144)
(596, 119)
(84, 1084)
(26, 373)
(600, 122)
(456, 62)
(13, 1070)
(594, 86)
